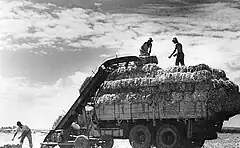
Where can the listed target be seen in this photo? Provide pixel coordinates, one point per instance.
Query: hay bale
(188, 96)
(149, 83)
(217, 99)
(149, 70)
(201, 67)
(125, 98)
(176, 97)
(198, 76)
(171, 69)
(162, 84)
(189, 87)
(186, 77)
(152, 70)
(202, 75)
(230, 86)
(203, 86)
(163, 87)
(182, 69)
(219, 74)
(216, 83)
(108, 99)
(200, 95)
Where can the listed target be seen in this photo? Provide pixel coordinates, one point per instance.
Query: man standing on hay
(144, 48)
(26, 132)
(179, 54)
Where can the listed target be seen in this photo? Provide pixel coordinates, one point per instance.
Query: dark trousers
(180, 59)
(29, 136)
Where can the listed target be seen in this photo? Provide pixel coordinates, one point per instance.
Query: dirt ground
(223, 141)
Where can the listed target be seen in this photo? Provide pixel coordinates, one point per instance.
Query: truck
(184, 124)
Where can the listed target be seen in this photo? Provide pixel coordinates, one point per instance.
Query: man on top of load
(179, 54)
(144, 48)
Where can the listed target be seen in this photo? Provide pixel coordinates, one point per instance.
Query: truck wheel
(167, 137)
(140, 137)
(81, 142)
(108, 141)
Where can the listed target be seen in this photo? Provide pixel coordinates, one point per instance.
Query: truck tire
(81, 142)
(108, 141)
(167, 137)
(140, 137)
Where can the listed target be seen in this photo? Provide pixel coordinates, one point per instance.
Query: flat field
(223, 141)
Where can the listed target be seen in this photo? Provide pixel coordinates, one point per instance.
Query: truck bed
(143, 110)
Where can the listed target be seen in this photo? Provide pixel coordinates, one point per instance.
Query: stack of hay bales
(150, 83)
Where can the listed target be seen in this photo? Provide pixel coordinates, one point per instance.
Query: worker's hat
(150, 39)
(19, 123)
(174, 39)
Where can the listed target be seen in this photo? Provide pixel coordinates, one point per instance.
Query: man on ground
(26, 132)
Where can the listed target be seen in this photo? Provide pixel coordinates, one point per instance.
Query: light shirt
(24, 128)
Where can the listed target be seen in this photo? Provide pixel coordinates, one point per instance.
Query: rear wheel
(167, 137)
(81, 142)
(108, 141)
(140, 137)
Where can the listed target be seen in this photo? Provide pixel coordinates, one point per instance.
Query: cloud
(105, 55)
(122, 32)
(40, 102)
(233, 64)
(73, 80)
(233, 67)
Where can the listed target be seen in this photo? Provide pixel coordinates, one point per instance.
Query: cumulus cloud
(28, 101)
(105, 55)
(114, 31)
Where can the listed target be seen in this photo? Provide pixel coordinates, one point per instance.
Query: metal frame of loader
(65, 137)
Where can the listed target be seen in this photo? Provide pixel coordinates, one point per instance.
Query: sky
(48, 48)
